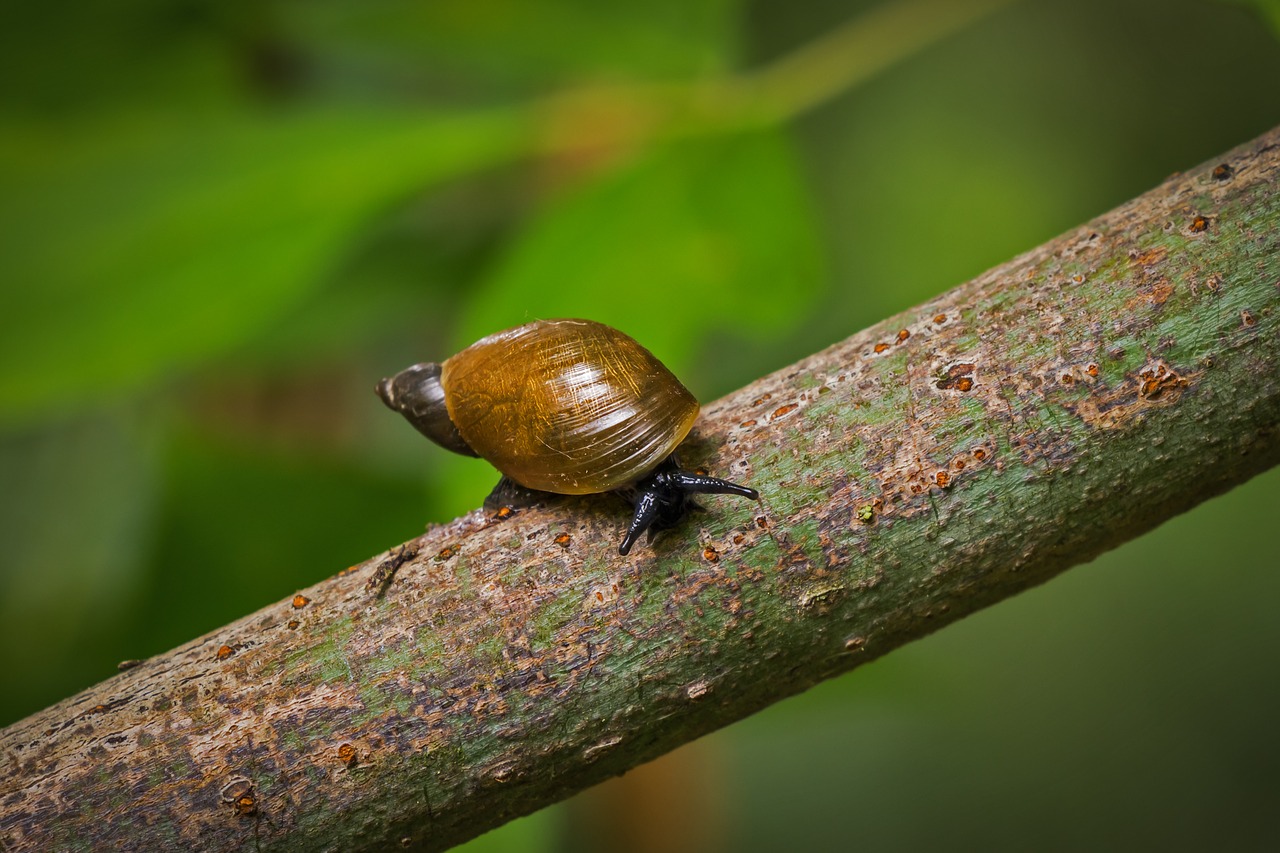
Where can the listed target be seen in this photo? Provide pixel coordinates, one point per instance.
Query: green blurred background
(222, 220)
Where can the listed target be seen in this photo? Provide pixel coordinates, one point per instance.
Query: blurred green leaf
(1268, 10)
(706, 233)
(75, 515)
(541, 832)
(137, 246)
(283, 521)
(402, 285)
(85, 57)
(521, 42)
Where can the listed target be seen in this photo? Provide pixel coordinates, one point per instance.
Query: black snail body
(572, 407)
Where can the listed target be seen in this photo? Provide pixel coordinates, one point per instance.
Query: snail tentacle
(663, 498)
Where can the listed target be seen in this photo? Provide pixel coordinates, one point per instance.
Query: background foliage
(222, 220)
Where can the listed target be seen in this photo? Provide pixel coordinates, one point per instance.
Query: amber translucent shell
(567, 406)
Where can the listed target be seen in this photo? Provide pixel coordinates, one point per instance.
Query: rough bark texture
(937, 463)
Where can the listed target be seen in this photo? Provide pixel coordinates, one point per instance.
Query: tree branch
(932, 465)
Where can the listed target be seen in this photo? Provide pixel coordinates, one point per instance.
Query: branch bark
(932, 465)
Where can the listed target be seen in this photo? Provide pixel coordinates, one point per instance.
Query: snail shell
(567, 406)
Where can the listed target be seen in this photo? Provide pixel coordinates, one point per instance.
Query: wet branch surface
(937, 463)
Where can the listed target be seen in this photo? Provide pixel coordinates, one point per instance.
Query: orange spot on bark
(749, 423)
(903, 335)
(710, 554)
(225, 652)
(347, 754)
(1157, 378)
(958, 377)
(246, 805)
(1200, 224)
(300, 601)
(563, 540)
(783, 411)
(880, 347)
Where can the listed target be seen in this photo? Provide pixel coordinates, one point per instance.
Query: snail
(572, 407)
